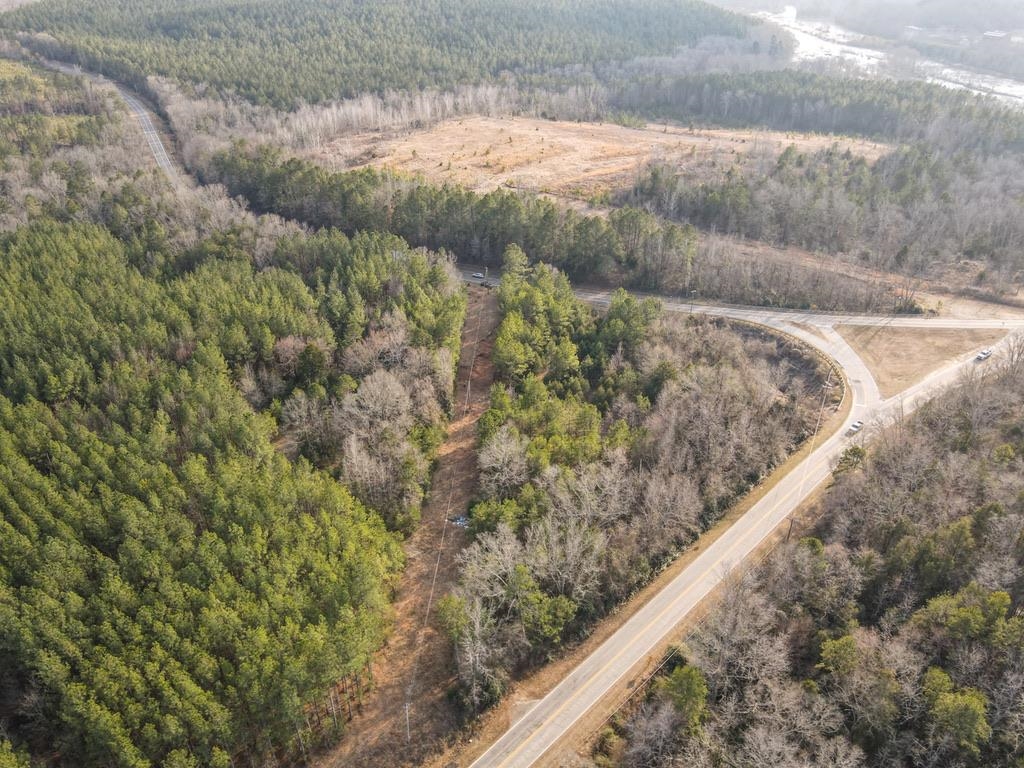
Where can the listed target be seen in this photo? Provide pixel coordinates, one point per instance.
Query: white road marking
(554, 716)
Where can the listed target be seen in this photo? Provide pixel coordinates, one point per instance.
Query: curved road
(554, 716)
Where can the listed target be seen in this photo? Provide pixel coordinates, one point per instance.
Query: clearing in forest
(901, 357)
(579, 160)
(415, 665)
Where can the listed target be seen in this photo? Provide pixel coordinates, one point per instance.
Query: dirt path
(415, 667)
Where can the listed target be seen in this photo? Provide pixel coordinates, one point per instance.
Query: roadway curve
(553, 717)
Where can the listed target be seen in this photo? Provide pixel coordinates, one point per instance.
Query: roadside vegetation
(612, 440)
(889, 637)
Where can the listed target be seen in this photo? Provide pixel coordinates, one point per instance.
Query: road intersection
(553, 718)
(530, 740)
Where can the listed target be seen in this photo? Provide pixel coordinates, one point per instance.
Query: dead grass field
(567, 159)
(901, 357)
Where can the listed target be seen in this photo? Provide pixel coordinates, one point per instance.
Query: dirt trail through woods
(415, 667)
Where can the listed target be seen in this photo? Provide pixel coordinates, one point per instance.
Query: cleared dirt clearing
(901, 357)
(563, 158)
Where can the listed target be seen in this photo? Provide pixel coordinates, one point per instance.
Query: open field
(901, 357)
(579, 160)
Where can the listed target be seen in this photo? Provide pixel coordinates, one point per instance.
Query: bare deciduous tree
(502, 461)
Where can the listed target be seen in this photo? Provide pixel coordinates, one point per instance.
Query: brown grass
(900, 357)
(567, 159)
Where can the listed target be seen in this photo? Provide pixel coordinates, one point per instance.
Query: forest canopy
(282, 52)
(892, 634)
(186, 577)
(612, 440)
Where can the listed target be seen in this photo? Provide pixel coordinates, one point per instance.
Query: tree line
(628, 246)
(793, 100)
(286, 52)
(916, 210)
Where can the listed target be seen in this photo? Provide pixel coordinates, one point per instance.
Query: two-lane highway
(139, 112)
(156, 144)
(554, 717)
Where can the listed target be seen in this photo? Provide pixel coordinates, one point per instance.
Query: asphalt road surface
(156, 145)
(554, 716)
(139, 112)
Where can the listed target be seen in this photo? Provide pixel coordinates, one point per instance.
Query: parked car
(856, 427)
(478, 275)
(985, 354)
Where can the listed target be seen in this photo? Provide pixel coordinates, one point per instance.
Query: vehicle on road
(478, 275)
(563, 709)
(985, 354)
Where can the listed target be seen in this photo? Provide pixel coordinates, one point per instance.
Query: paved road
(554, 716)
(156, 144)
(139, 112)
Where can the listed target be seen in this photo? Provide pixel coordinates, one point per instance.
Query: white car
(856, 427)
(985, 354)
(478, 275)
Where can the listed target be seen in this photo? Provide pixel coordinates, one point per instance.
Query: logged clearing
(901, 357)
(415, 666)
(567, 159)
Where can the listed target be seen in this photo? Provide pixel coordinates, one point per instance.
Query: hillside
(284, 52)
